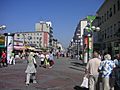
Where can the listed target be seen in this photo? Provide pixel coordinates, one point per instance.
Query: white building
(45, 27)
(38, 39)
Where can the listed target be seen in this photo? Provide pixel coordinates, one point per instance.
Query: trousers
(93, 82)
(30, 76)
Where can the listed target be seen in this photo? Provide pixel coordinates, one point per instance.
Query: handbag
(34, 61)
(84, 82)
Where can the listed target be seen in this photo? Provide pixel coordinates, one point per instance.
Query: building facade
(45, 26)
(76, 46)
(38, 39)
(109, 23)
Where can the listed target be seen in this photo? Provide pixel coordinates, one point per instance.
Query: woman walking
(31, 70)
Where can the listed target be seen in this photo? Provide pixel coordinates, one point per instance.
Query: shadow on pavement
(79, 69)
(78, 64)
(80, 88)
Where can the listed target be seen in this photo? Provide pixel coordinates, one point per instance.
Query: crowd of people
(98, 69)
(4, 62)
(105, 71)
(45, 60)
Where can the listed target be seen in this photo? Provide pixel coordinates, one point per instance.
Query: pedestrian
(116, 59)
(117, 72)
(6, 59)
(4, 56)
(46, 60)
(42, 57)
(12, 58)
(51, 59)
(31, 70)
(106, 67)
(92, 71)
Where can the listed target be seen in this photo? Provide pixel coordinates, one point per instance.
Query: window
(118, 5)
(105, 17)
(114, 8)
(102, 19)
(114, 30)
(108, 32)
(111, 32)
(116, 44)
(110, 12)
(107, 14)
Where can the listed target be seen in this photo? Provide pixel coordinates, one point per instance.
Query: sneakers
(27, 84)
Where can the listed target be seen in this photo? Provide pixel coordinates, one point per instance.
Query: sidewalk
(65, 75)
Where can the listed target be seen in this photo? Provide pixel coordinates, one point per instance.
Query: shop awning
(19, 47)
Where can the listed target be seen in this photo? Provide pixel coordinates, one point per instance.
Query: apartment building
(45, 26)
(38, 39)
(77, 43)
(109, 23)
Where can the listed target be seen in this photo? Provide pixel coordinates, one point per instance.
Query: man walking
(92, 71)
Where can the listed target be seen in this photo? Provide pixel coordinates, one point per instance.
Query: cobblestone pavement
(66, 74)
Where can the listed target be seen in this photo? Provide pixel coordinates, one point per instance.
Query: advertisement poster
(9, 47)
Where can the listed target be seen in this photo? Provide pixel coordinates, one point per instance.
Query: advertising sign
(9, 47)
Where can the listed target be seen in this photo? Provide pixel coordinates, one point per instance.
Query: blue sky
(21, 15)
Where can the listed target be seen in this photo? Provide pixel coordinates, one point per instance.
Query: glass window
(102, 19)
(107, 14)
(114, 8)
(105, 17)
(118, 5)
(110, 12)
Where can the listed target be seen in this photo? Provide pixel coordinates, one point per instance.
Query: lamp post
(91, 30)
(78, 45)
(2, 27)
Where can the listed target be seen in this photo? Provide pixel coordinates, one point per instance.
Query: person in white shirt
(92, 71)
(51, 59)
(42, 57)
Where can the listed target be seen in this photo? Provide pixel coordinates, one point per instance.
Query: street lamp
(2, 27)
(91, 30)
(78, 45)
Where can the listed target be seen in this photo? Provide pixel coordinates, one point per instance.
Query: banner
(9, 47)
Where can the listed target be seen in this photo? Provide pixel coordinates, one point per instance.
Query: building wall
(109, 22)
(47, 28)
(83, 25)
(43, 26)
(37, 39)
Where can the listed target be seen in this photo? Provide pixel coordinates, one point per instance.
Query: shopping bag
(85, 82)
